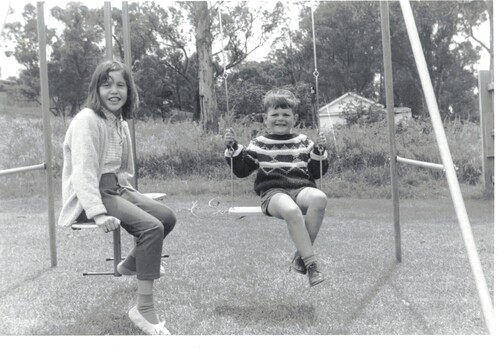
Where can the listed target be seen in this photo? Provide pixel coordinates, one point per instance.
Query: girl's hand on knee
(107, 223)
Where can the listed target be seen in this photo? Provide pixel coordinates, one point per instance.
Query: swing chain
(321, 150)
(231, 151)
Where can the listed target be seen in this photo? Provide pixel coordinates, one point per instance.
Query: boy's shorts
(266, 196)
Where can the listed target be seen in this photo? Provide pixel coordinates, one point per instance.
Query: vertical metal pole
(456, 194)
(487, 130)
(388, 81)
(314, 55)
(315, 72)
(108, 29)
(47, 131)
(116, 238)
(128, 63)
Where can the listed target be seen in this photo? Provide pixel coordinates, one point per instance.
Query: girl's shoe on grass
(127, 272)
(146, 327)
(297, 264)
(314, 275)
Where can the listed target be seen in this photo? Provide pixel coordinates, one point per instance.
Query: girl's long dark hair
(101, 75)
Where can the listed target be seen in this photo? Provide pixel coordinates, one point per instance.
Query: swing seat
(245, 211)
(156, 196)
(116, 240)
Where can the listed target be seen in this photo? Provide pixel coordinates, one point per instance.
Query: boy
(287, 165)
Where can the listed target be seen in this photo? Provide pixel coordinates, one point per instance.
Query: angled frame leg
(116, 242)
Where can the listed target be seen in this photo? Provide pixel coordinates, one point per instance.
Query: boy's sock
(309, 260)
(145, 301)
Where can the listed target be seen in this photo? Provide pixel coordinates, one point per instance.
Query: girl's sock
(145, 305)
(145, 301)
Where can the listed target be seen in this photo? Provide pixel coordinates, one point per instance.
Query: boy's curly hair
(280, 98)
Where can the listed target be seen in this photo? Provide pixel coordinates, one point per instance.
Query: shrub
(358, 154)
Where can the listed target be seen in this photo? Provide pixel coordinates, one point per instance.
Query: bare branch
(486, 47)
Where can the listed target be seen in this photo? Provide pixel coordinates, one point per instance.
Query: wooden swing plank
(245, 211)
(155, 196)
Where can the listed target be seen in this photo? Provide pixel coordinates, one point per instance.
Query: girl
(97, 165)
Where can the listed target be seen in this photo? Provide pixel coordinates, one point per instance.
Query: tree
(347, 46)
(204, 43)
(166, 70)
(73, 55)
(238, 27)
(449, 61)
(26, 51)
(349, 54)
(473, 14)
(160, 52)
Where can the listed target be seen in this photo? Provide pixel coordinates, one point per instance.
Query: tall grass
(180, 157)
(22, 144)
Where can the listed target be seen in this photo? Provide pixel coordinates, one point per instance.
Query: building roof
(7, 82)
(349, 94)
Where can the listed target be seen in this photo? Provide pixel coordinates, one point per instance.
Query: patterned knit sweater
(282, 161)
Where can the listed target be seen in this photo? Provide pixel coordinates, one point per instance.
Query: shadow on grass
(383, 284)
(31, 278)
(371, 293)
(303, 315)
(106, 316)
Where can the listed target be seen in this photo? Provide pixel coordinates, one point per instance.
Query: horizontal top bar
(23, 169)
(420, 163)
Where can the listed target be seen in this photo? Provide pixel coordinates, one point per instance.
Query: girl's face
(114, 92)
(279, 121)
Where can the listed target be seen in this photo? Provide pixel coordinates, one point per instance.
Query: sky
(9, 66)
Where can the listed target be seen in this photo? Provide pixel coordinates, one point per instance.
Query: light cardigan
(84, 148)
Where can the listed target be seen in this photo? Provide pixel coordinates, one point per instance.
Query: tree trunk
(489, 5)
(207, 93)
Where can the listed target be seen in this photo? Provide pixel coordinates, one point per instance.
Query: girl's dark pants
(146, 219)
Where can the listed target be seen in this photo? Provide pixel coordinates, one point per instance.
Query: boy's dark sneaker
(297, 264)
(314, 275)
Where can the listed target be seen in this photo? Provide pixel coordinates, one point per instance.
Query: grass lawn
(230, 276)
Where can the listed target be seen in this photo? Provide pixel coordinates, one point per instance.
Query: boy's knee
(292, 213)
(320, 200)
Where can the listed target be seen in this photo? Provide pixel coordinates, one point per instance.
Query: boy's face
(279, 121)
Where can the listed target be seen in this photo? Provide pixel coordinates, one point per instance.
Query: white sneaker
(127, 272)
(146, 327)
